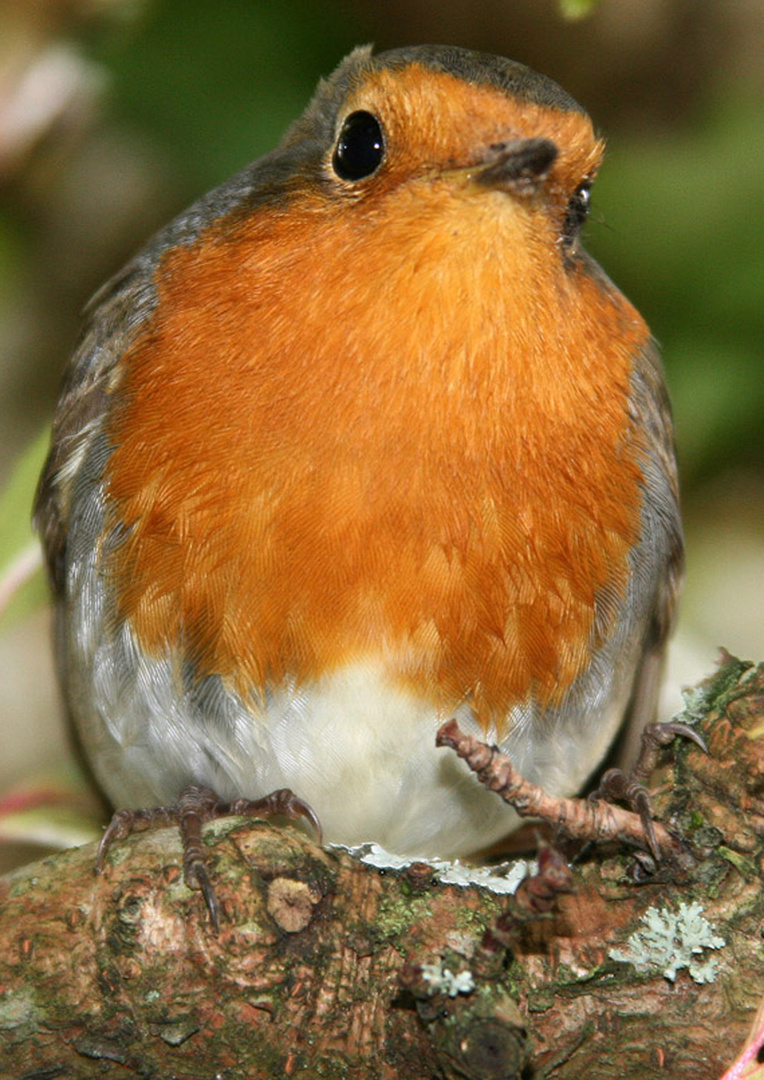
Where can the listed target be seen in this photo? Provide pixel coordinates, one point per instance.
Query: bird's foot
(629, 787)
(194, 807)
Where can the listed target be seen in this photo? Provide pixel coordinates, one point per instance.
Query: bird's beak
(518, 165)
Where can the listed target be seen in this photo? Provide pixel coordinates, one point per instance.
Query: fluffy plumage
(340, 459)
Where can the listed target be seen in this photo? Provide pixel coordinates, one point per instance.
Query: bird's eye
(577, 212)
(360, 147)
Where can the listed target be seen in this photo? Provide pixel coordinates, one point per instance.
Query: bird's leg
(580, 819)
(194, 807)
(630, 788)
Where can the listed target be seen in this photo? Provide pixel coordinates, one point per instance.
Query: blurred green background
(114, 114)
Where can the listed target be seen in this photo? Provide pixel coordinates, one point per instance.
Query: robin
(361, 442)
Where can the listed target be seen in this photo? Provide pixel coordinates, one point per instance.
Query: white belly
(359, 750)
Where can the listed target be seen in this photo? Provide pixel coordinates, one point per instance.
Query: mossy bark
(317, 968)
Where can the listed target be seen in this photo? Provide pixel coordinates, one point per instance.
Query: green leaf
(22, 584)
(577, 9)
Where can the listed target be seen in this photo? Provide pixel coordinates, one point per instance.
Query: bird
(363, 441)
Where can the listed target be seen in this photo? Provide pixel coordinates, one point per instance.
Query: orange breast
(397, 429)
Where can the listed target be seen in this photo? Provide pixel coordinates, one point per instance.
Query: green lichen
(715, 692)
(397, 914)
(744, 865)
(669, 941)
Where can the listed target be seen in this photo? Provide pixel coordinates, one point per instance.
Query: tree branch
(326, 966)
